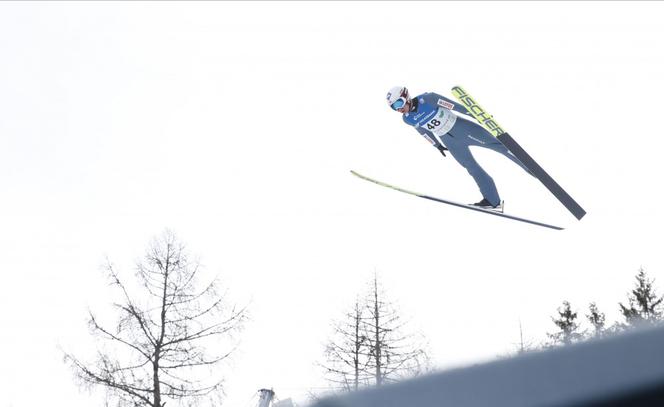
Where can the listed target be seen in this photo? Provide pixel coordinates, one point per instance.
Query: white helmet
(397, 97)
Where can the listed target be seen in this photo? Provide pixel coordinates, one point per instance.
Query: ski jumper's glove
(442, 150)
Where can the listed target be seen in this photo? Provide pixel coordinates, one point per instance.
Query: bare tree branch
(368, 347)
(160, 350)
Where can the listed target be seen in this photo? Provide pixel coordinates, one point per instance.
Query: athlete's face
(406, 107)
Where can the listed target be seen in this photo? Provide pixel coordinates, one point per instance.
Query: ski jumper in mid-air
(433, 117)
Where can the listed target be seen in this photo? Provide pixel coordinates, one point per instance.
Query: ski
(492, 126)
(460, 205)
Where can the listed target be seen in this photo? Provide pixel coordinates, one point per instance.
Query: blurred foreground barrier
(623, 370)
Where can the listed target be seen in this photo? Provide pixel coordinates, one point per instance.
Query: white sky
(236, 125)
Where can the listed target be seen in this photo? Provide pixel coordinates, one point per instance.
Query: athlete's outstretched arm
(432, 140)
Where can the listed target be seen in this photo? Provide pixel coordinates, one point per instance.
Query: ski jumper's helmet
(397, 97)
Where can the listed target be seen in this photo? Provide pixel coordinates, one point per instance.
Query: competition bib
(440, 123)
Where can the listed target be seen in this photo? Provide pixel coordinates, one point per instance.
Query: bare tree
(369, 346)
(346, 352)
(157, 351)
(524, 345)
(393, 354)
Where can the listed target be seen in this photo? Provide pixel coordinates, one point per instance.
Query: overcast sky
(235, 125)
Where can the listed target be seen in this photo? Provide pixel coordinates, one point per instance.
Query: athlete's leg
(460, 151)
(474, 134)
(500, 148)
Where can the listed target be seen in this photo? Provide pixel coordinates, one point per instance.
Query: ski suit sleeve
(447, 103)
(427, 136)
(432, 140)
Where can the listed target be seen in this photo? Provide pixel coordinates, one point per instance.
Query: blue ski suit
(432, 116)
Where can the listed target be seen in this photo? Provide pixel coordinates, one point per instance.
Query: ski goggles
(398, 104)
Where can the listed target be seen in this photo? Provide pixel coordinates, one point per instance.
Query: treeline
(643, 308)
(170, 325)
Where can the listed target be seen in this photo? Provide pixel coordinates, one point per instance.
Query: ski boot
(484, 204)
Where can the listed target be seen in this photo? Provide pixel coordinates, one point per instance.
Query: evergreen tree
(597, 319)
(644, 305)
(568, 328)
